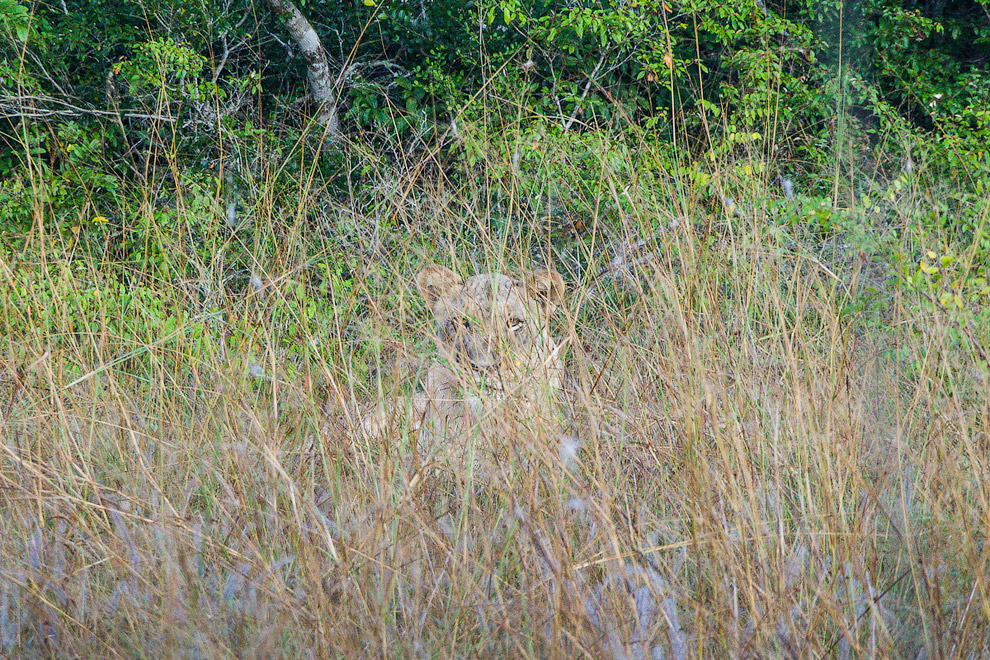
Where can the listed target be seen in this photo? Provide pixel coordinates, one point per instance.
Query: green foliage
(928, 62)
(59, 175)
(161, 64)
(15, 21)
(728, 93)
(690, 68)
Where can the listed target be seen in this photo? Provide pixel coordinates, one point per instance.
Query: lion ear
(547, 286)
(434, 282)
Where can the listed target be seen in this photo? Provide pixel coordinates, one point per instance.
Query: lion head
(494, 329)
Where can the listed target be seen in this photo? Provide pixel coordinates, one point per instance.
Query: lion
(496, 372)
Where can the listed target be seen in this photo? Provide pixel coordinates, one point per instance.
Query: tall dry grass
(751, 465)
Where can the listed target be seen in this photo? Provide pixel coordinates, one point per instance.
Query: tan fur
(497, 368)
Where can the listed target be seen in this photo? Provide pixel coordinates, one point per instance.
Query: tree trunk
(321, 83)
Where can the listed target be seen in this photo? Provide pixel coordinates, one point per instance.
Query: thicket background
(772, 218)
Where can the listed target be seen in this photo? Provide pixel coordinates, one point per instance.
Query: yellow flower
(99, 220)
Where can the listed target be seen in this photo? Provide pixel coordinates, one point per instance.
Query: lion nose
(484, 356)
(484, 362)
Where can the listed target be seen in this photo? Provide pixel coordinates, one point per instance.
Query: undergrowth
(776, 409)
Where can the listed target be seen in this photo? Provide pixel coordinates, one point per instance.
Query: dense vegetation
(773, 223)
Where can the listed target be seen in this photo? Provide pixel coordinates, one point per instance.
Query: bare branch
(321, 83)
(584, 94)
(39, 107)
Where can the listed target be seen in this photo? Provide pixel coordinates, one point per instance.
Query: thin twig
(18, 107)
(584, 94)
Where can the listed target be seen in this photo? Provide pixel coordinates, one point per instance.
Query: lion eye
(455, 327)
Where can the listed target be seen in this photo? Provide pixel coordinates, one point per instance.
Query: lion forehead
(496, 293)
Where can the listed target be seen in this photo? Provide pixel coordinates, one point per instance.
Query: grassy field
(775, 413)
